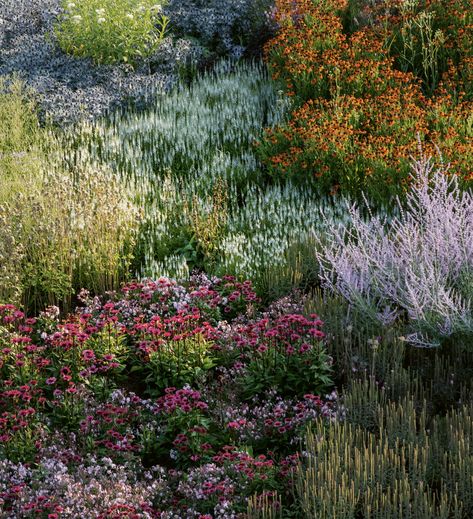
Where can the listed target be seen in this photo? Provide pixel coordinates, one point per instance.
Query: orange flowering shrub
(357, 118)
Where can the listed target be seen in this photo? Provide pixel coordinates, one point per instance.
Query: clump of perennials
(179, 387)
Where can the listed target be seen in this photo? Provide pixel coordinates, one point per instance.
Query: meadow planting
(236, 259)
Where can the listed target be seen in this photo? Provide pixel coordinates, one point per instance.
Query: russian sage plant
(418, 267)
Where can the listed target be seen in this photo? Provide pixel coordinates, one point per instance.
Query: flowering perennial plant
(64, 226)
(275, 422)
(191, 399)
(211, 208)
(356, 117)
(228, 27)
(110, 32)
(66, 417)
(284, 353)
(417, 268)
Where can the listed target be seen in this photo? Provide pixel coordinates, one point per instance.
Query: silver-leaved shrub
(418, 267)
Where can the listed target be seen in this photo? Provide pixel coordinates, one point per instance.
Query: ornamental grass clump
(416, 269)
(19, 163)
(73, 232)
(65, 227)
(348, 471)
(111, 31)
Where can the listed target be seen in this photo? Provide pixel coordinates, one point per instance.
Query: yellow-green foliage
(78, 232)
(265, 506)
(19, 167)
(62, 229)
(403, 467)
(19, 138)
(208, 226)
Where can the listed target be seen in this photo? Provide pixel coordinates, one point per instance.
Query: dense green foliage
(111, 31)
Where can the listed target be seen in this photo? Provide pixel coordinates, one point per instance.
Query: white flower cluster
(177, 152)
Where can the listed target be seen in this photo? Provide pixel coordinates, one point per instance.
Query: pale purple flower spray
(419, 264)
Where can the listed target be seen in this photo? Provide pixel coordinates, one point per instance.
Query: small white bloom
(173, 454)
(130, 16)
(71, 5)
(101, 20)
(100, 12)
(77, 18)
(157, 8)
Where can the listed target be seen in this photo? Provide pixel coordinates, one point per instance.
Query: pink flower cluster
(11, 422)
(219, 445)
(9, 314)
(244, 464)
(111, 426)
(291, 333)
(185, 400)
(160, 330)
(166, 297)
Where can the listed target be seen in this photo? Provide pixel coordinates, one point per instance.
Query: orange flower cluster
(357, 119)
(457, 20)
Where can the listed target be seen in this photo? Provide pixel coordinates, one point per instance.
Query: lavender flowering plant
(418, 267)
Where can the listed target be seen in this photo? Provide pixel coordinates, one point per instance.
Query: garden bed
(234, 287)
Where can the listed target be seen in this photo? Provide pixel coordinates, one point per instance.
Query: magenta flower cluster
(67, 412)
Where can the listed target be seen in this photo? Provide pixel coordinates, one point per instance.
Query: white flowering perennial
(96, 486)
(202, 132)
(271, 220)
(418, 267)
(177, 152)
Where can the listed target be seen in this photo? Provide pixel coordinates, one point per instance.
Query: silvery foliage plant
(70, 88)
(227, 26)
(418, 266)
